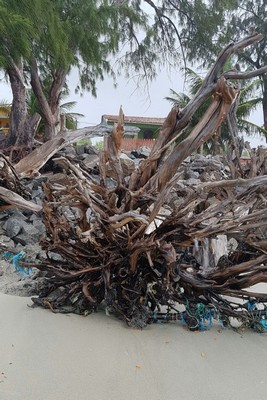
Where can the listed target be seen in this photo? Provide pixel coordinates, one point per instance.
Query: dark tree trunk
(21, 131)
(264, 102)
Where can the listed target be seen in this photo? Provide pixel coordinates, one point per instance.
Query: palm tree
(69, 120)
(246, 106)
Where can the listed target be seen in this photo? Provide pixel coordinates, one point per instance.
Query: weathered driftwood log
(12, 192)
(177, 120)
(29, 166)
(109, 253)
(12, 199)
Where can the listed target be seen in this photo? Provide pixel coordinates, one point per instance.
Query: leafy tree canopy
(16, 32)
(51, 37)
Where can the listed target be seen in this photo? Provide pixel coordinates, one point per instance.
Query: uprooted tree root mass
(103, 260)
(139, 243)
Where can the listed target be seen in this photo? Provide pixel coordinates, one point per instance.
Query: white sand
(46, 356)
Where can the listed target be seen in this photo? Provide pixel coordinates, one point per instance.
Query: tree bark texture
(49, 107)
(20, 130)
(264, 102)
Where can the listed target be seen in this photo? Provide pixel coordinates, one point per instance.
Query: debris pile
(165, 238)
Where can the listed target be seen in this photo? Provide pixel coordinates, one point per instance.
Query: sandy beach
(46, 356)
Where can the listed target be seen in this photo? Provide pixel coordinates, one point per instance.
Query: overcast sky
(135, 100)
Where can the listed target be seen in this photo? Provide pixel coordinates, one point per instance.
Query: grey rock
(189, 174)
(202, 162)
(55, 256)
(29, 235)
(88, 149)
(142, 152)
(3, 215)
(131, 155)
(128, 165)
(111, 183)
(79, 149)
(37, 183)
(69, 213)
(33, 252)
(24, 239)
(34, 217)
(90, 160)
(13, 227)
(16, 213)
(69, 151)
(30, 229)
(38, 200)
(37, 193)
(39, 225)
(5, 241)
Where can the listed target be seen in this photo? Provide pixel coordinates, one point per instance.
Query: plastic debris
(15, 260)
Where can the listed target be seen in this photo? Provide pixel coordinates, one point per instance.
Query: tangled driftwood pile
(135, 268)
(143, 244)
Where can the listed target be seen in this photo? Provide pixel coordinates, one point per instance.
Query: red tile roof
(135, 120)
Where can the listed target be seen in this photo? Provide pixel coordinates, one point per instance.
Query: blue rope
(15, 259)
(263, 323)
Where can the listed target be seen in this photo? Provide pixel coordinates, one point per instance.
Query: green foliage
(140, 35)
(83, 142)
(249, 16)
(65, 109)
(71, 117)
(16, 32)
(83, 34)
(234, 19)
(99, 145)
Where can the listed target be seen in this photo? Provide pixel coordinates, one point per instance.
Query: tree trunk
(264, 102)
(20, 130)
(50, 108)
(51, 127)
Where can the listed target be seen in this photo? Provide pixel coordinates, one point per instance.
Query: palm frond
(229, 65)
(247, 91)
(246, 108)
(250, 128)
(32, 103)
(68, 106)
(180, 99)
(74, 115)
(194, 80)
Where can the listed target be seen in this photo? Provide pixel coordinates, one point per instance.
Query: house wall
(133, 144)
(4, 122)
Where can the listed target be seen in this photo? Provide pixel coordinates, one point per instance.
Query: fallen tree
(121, 243)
